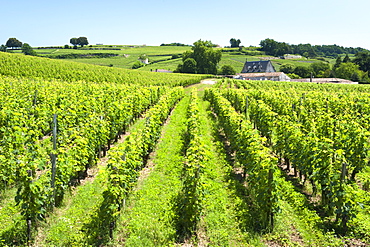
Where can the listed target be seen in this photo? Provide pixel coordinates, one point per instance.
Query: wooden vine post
(342, 182)
(246, 107)
(54, 157)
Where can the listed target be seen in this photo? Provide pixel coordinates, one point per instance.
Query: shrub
(293, 76)
(287, 68)
(137, 65)
(227, 70)
(189, 66)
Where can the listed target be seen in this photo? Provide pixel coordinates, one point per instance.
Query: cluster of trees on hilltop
(274, 48)
(234, 42)
(201, 59)
(174, 44)
(28, 50)
(356, 69)
(15, 43)
(79, 41)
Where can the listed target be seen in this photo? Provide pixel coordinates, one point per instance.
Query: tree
(3, 48)
(234, 42)
(362, 59)
(287, 68)
(137, 65)
(337, 62)
(14, 43)
(79, 41)
(142, 57)
(82, 41)
(303, 71)
(73, 41)
(189, 66)
(346, 59)
(294, 76)
(347, 71)
(312, 53)
(320, 69)
(227, 70)
(274, 48)
(205, 57)
(269, 46)
(27, 50)
(355, 77)
(282, 49)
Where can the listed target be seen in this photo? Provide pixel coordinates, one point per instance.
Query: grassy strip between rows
(224, 210)
(295, 224)
(152, 218)
(12, 227)
(89, 219)
(68, 225)
(148, 221)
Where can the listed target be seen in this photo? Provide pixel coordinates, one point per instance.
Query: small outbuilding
(290, 56)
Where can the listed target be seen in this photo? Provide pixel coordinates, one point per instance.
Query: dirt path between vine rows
(208, 81)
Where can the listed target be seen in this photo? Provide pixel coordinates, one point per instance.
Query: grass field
(160, 57)
(125, 57)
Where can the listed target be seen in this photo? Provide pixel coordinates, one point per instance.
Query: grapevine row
(326, 151)
(89, 117)
(260, 170)
(189, 204)
(126, 160)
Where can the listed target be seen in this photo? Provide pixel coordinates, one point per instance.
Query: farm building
(290, 56)
(325, 80)
(271, 76)
(258, 67)
(261, 70)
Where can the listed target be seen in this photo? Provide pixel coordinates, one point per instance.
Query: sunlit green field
(125, 57)
(160, 57)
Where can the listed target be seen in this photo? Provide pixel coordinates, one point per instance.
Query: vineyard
(99, 156)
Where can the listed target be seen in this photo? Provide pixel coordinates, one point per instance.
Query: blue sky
(46, 23)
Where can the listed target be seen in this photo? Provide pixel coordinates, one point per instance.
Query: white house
(271, 76)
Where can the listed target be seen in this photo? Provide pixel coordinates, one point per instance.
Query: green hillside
(17, 65)
(120, 56)
(160, 57)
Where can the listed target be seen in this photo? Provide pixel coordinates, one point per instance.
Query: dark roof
(258, 67)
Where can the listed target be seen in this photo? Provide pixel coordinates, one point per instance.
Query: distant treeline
(174, 44)
(51, 47)
(275, 48)
(90, 55)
